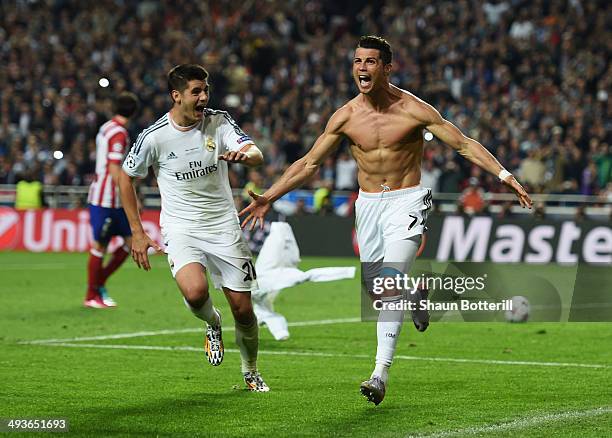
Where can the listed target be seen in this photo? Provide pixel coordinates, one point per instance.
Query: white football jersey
(193, 182)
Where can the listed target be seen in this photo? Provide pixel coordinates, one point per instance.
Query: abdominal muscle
(388, 168)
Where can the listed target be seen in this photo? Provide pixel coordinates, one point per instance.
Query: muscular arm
(306, 167)
(452, 136)
(299, 172)
(466, 146)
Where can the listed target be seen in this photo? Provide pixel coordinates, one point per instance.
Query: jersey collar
(181, 128)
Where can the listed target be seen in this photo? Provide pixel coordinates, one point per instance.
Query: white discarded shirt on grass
(276, 268)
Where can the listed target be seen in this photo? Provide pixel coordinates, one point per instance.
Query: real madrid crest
(210, 144)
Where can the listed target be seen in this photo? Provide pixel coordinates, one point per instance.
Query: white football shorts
(224, 254)
(389, 216)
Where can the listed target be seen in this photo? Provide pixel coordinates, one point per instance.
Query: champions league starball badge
(130, 161)
(210, 144)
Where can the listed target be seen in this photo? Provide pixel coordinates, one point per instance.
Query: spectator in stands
(328, 170)
(29, 192)
(506, 211)
(6, 172)
(346, 172)
(532, 169)
(430, 175)
(300, 208)
(450, 178)
(472, 199)
(322, 196)
(255, 185)
(580, 215)
(539, 211)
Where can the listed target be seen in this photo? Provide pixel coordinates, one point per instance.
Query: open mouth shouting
(199, 109)
(365, 80)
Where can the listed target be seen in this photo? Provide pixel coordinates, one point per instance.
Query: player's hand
(256, 210)
(519, 191)
(140, 247)
(234, 157)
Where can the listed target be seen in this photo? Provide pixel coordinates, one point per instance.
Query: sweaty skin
(384, 125)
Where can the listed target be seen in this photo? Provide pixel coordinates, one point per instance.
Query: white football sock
(206, 313)
(399, 256)
(247, 338)
(388, 329)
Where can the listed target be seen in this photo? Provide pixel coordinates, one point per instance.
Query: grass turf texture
(162, 392)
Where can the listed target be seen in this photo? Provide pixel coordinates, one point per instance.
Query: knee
(243, 313)
(196, 294)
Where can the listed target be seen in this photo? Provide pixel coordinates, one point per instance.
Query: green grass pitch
(456, 379)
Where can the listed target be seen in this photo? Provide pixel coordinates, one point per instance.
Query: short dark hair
(379, 43)
(179, 76)
(126, 104)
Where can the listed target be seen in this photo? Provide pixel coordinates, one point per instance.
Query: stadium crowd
(528, 79)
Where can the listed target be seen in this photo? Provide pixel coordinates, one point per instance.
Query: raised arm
(300, 171)
(467, 147)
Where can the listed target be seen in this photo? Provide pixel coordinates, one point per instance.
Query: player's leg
(368, 209)
(100, 222)
(187, 260)
(399, 257)
(93, 298)
(119, 227)
(117, 258)
(191, 280)
(231, 268)
(247, 337)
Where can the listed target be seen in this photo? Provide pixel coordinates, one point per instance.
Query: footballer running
(384, 125)
(189, 149)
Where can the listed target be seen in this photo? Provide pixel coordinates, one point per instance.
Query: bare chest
(382, 131)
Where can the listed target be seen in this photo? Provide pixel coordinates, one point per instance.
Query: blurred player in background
(384, 125)
(105, 213)
(189, 148)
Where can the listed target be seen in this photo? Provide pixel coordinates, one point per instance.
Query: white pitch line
(175, 331)
(523, 423)
(505, 362)
(320, 354)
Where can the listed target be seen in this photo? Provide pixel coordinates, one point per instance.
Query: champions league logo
(130, 161)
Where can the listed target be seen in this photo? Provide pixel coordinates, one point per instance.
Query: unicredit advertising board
(56, 230)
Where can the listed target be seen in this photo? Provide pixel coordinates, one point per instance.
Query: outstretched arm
(299, 172)
(140, 241)
(468, 148)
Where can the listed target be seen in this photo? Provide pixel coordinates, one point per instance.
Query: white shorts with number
(225, 254)
(389, 216)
